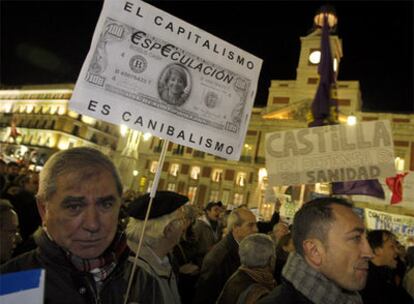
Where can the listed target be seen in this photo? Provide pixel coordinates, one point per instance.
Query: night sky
(45, 42)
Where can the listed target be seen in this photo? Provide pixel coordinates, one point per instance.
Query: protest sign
(155, 73)
(22, 287)
(398, 224)
(332, 153)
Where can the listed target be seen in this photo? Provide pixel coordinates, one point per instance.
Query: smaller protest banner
(332, 153)
(398, 224)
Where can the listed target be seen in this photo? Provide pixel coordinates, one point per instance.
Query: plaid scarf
(314, 285)
(99, 267)
(263, 276)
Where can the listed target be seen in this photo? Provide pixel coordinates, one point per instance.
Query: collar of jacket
(162, 267)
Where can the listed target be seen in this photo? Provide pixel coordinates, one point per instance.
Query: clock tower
(291, 99)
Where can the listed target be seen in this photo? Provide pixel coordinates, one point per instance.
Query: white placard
(398, 224)
(155, 73)
(330, 154)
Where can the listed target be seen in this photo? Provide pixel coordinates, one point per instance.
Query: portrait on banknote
(211, 100)
(174, 84)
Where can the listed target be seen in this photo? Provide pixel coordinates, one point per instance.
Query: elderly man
(381, 286)
(254, 278)
(332, 254)
(223, 260)
(155, 281)
(79, 245)
(9, 230)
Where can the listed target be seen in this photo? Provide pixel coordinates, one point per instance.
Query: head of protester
(241, 223)
(332, 254)
(155, 280)
(254, 278)
(79, 199)
(79, 243)
(9, 230)
(384, 246)
(383, 283)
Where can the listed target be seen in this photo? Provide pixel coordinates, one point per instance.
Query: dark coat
(381, 287)
(284, 293)
(64, 284)
(218, 265)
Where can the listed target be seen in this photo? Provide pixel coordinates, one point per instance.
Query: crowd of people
(75, 221)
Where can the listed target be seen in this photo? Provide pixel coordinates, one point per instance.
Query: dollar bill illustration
(152, 72)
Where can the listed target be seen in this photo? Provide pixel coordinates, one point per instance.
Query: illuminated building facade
(45, 124)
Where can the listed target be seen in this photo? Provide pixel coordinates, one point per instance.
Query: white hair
(154, 230)
(256, 250)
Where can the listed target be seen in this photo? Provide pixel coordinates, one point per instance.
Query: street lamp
(328, 11)
(351, 120)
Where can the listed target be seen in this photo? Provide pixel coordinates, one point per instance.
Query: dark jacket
(381, 287)
(218, 265)
(64, 284)
(244, 288)
(284, 293)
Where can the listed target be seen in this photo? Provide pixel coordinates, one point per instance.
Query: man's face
(388, 253)
(82, 215)
(8, 235)
(247, 227)
(213, 213)
(346, 250)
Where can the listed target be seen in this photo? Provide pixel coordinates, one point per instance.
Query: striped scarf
(314, 285)
(99, 267)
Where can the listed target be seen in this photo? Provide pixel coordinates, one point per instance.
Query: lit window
(217, 175)
(241, 179)
(214, 196)
(192, 191)
(171, 187)
(174, 169)
(195, 172)
(399, 164)
(154, 166)
(238, 199)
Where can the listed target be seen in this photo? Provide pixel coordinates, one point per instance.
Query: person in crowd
(408, 281)
(9, 230)
(12, 170)
(223, 260)
(3, 176)
(283, 249)
(172, 87)
(207, 230)
(330, 263)
(381, 286)
(185, 256)
(254, 278)
(280, 229)
(79, 245)
(155, 279)
(24, 202)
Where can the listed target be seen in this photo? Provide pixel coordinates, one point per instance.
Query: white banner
(156, 73)
(398, 224)
(330, 154)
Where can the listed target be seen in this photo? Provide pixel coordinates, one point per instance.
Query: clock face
(315, 57)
